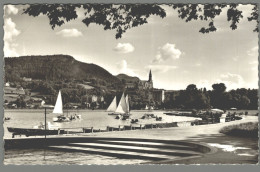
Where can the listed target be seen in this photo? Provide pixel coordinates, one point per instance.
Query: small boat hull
(58, 119)
(113, 114)
(7, 118)
(134, 121)
(33, 132)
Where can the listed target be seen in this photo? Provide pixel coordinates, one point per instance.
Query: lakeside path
(230, 150)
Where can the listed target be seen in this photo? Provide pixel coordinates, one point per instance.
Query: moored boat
(148, 116)
(158, 118)
(7, 118)
(33, 132)
(36, 130)
(173, 113)
(133, 121)
(58, 109)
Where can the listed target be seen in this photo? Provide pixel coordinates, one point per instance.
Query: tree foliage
(121, 17)
(57, 68)
(116, 17)
(193, 98)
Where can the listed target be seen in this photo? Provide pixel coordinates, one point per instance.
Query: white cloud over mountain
(123, 68)
(69, 33)
(124, 48)
(167, 51)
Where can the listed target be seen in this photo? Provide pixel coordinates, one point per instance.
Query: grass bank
(249, 129)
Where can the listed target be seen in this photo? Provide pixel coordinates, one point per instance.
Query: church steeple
(150, 76)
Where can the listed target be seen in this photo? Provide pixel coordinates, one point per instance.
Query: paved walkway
(231, 150)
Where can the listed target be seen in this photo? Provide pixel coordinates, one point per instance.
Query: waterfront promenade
(229, 150)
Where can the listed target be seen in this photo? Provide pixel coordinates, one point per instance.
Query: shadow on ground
(230, 150)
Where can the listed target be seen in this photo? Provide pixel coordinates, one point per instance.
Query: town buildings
(151, 94)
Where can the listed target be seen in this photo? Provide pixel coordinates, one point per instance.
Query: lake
(99, 119)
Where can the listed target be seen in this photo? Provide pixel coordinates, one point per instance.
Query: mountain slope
(127, 78)
(55, 68)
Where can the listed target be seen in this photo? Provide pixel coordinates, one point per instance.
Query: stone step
(150, 150)
(149, 144)
(119, 154)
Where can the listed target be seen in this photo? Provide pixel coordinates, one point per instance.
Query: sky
(175, 51)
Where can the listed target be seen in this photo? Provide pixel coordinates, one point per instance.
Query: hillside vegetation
(57, 68)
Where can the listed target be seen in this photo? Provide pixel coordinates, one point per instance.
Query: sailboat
(112, 107)
(122, 109)
(58, 109)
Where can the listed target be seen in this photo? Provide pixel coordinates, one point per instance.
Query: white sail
(122, 107)
(112, 106)
(58, 106)
(127, 104)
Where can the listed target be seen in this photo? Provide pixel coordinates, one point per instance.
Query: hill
(56, 68)
(127, 78)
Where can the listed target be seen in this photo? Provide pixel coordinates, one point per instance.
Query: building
(27, 79)
(146, 84)
(11, 90)
(7, 84)
(158, 95)
(94, 98)
(130, 85)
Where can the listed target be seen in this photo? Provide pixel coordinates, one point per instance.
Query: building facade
(158, 95)
(146, 84)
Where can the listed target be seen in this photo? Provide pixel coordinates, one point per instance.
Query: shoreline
(229, 149)
(135, 110)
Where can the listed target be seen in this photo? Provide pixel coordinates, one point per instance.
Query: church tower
(150, 76)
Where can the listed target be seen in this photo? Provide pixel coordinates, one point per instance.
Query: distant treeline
(62, 72)
(218, 97)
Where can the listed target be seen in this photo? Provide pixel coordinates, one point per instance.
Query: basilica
(143, 84)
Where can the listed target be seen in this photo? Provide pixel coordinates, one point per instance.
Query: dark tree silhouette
(122, 17)
(208, 12)
(191, 87)
(117, 17)
(219, 88)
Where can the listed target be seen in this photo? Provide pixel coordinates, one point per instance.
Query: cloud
(69, 33)
(161, 68)
(253, 51)
(232, 81)
(11, 9)
(123, 68)
(204, 83)
(10, 32)
(124, 48)
(9, 50)
(254, 65)
(168, 51)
